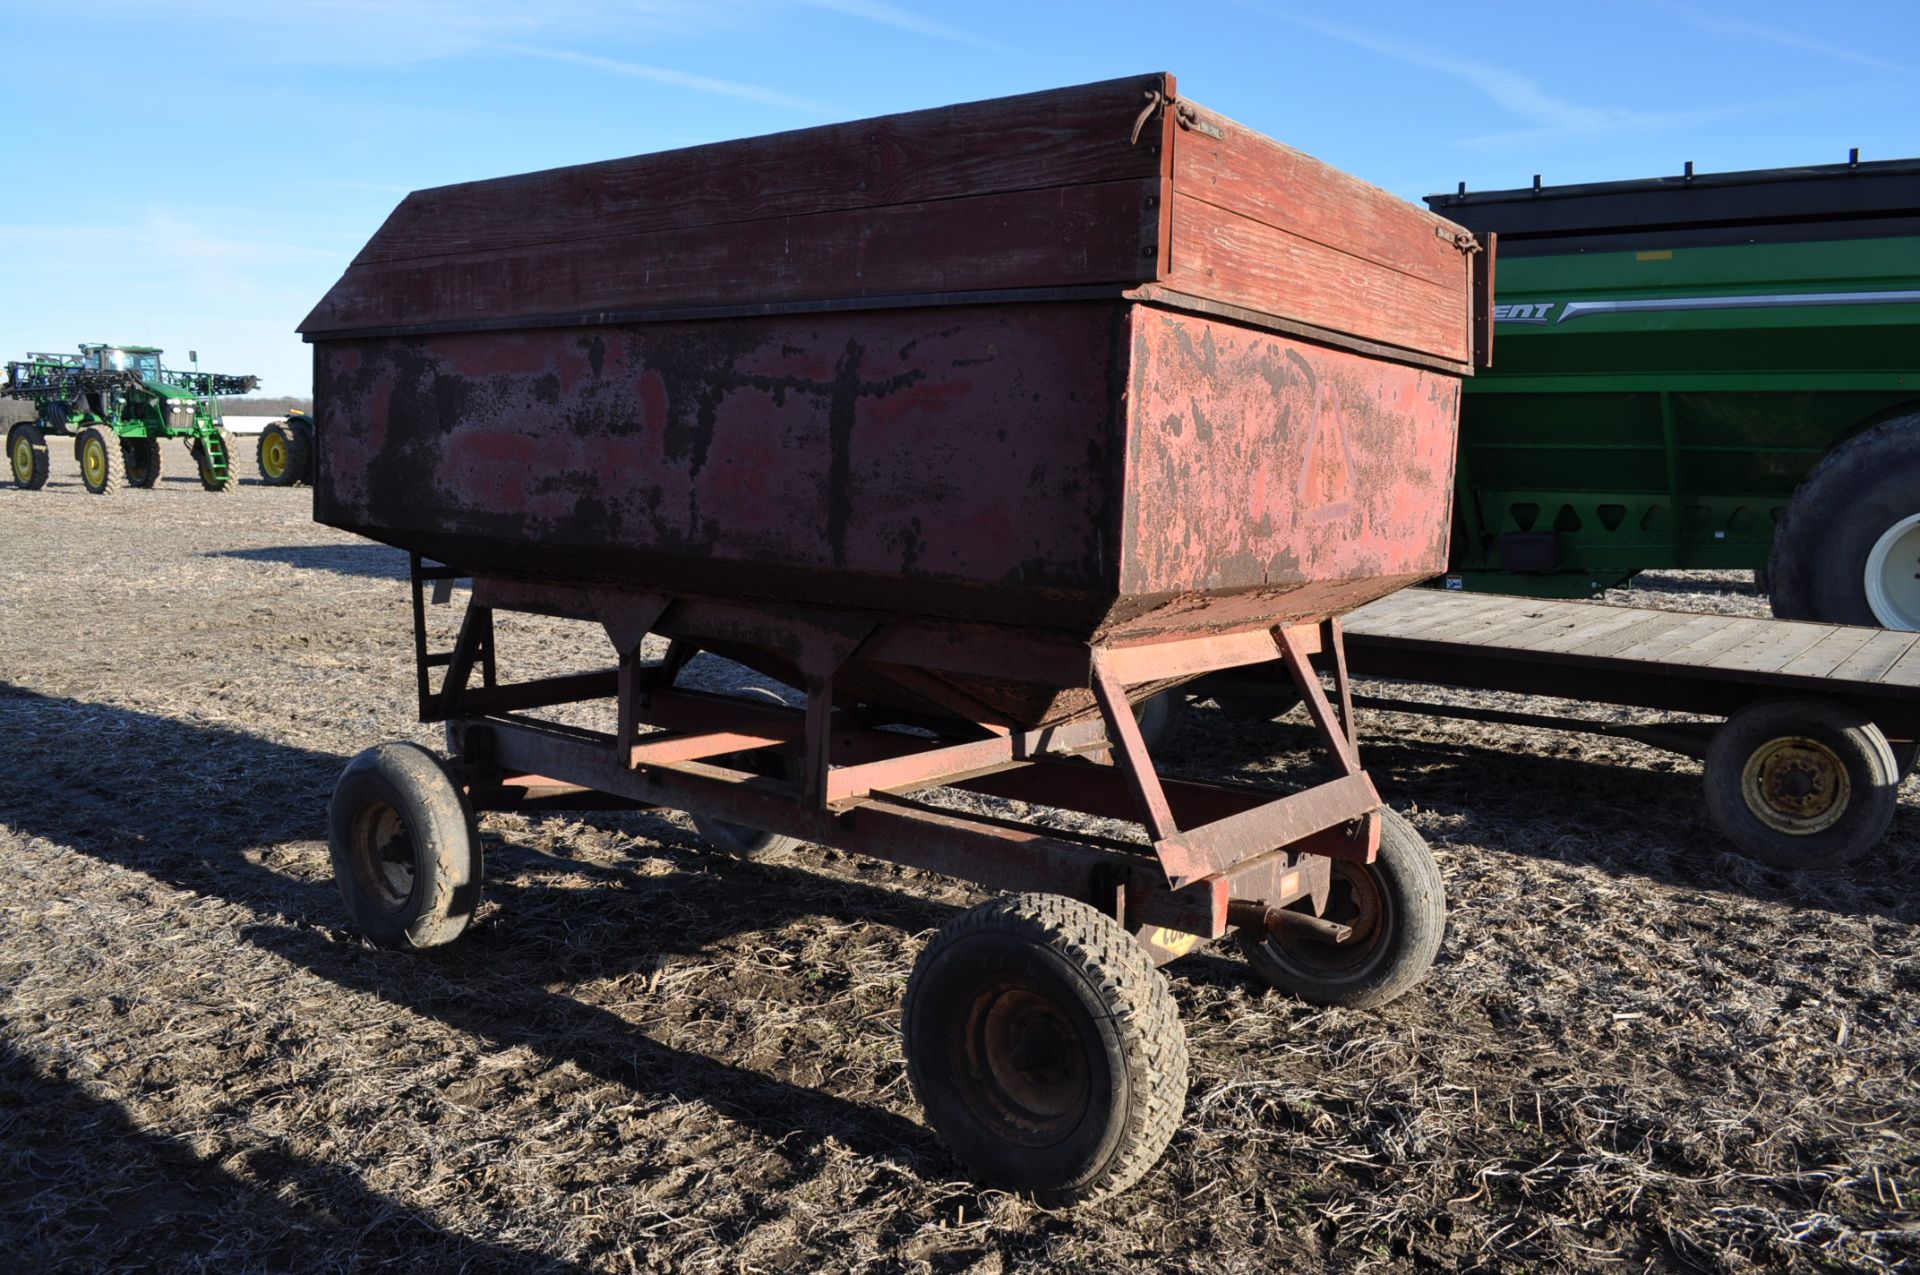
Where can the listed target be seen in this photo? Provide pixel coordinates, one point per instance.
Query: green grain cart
(117, 402)
(1714, 370)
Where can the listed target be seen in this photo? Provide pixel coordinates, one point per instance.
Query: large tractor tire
(27, 456)
(1847, 550)
(285, 454)
(101, 465)
(141, 458)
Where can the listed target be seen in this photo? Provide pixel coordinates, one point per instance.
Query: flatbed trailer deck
(1820, 720)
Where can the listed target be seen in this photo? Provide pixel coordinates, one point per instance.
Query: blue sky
(196, 174)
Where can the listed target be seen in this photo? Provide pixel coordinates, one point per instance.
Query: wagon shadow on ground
(1641, 817)
(381, 562)
(80, 1176)
(193, 806)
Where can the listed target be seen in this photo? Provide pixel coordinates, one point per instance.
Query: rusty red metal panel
(960, 462)
(1272, 475)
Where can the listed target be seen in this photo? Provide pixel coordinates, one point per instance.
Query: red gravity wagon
(978, 426)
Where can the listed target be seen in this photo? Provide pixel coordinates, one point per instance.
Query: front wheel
(216, 471)
(405, 848)
(1045, 1047)
(1801, 783)
(27, 455)
(1395, 911)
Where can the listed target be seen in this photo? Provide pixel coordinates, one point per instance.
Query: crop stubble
(1637, 1051)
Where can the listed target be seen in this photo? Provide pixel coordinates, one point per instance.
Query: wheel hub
(386, 865)
(273, 456)
(1893, 575)
(22, 459)
(1032, 1074)
(93, 458)
(1796, 785)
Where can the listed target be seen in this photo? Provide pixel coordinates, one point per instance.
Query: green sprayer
(117, 402)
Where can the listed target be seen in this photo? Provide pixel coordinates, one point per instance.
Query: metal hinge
(1461, 239)
(1189, 119)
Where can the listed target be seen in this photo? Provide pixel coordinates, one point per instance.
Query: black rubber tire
(1160, 717)
(302, 427)
(140, 460)
(287, 445)
(738, 840)
(1104, 1077)
(1841, 508)
(101, 466)
(1398, 905)
(405, 846)
(206, 473)
(1752, 755)
(27, 456)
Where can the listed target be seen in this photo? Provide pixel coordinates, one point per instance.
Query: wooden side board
(1117, 185)
(1261, 225)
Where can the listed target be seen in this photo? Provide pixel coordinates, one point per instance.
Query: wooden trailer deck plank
(1829, 653)
(1905, 671)
(1882, 651)
(1768, 650)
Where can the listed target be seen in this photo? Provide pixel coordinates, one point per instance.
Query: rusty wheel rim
(1028, 1065)
(1796, 785)
(383, 860)
(1356, 900)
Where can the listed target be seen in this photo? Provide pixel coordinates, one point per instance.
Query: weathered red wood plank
(1060, 237)
(1063, 137)
(1259, 178)
(1221, 254)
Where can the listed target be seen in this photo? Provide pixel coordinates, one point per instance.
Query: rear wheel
(1395, 909)
(141, 459)
(1801, 783)
(405, 848)
(1847, 550)
(738, 839)
(283, 454)
(27, 456)
(101, 466)
(1045, 1047)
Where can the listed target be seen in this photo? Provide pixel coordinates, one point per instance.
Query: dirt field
(1637, 1052)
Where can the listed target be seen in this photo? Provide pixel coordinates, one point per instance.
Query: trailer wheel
(100, 462)
(1397, 909)
(1159, 718)
(1847, 550)
(140, 458)
(1045, 1048)
(405, 847)
(1801, 783)
(27, 454)
(283, 455)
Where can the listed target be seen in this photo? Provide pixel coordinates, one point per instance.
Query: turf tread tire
(141, 459)
(1142, 1012)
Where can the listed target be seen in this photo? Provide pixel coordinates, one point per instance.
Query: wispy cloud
(1748, 30)
(1549, 118)
(902, 19)
(664, 75)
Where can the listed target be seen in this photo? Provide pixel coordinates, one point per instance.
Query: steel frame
(848, 777)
